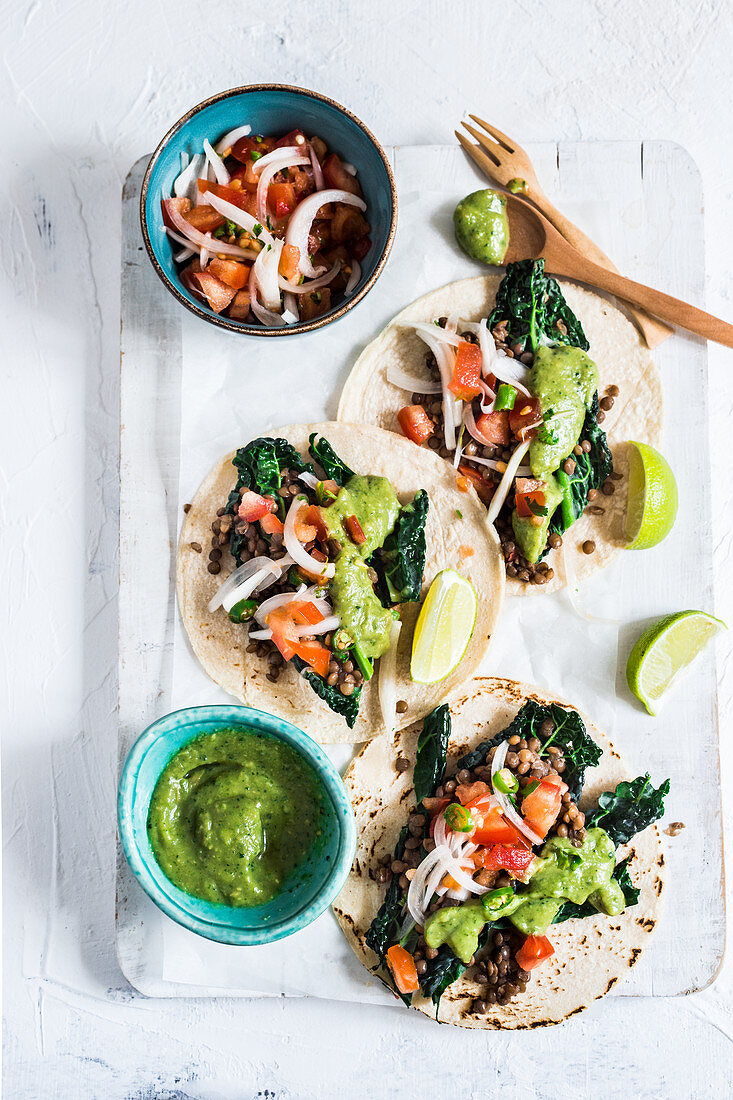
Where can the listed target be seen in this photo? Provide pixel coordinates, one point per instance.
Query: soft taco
(508, 871)
(324, 538)
(531, 389)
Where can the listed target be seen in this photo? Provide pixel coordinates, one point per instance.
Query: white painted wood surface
(187, 395)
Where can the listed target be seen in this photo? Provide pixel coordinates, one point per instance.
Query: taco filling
(513, 402)
(497, 852)
(324, 556)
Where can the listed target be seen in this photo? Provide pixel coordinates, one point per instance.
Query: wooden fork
(506, 163)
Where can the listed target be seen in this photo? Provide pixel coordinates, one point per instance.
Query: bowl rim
(223, 322)
(314, 755)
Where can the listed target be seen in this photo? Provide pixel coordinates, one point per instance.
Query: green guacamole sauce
(374, 503)
(563, 873)
(233, 814)
(481, 226)
(564, 379)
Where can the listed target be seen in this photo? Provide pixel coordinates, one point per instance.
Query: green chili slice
(243, 610)
(506, 787)
(505, 397)
(458, 818)
(497, 899)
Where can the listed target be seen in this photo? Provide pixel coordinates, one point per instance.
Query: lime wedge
(444, 627)
(652, 503)
(665, 650)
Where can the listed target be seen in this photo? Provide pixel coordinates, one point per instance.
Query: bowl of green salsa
(235, 823)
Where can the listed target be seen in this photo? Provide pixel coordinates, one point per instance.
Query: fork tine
(479, 157)
(491, 149)
(501, 138)
(485, 161)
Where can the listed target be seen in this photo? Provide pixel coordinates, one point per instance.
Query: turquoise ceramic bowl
(306, 893)
(271, 109)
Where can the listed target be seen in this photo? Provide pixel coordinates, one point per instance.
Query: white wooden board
(189, 393)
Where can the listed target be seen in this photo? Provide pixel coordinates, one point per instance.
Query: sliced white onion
(307, 595)
(296, 549)
(198, 238)
(459, 449)
(283, 153)
(217, 164)
(497, 464)
(445, 358)
(502, 489)
(308, 479)
(239, 217)
(244, 574)
(488, 348)
(488, 397)
(470, 421)
(268, 167)
(265, 273)
(347, 167)
(417, 893)
(205, 253)
(231, 138)
(260, 635)
(317, 170)
(511, 371)
(411, 382)
(388, 678)
(438, 333)
(185, 183)
(267, 316)
(183, 255)
(291, 312)
(312, 284)
(302, 217)
(506, 807)
(451, 323)
(353, 277)
(324, 627)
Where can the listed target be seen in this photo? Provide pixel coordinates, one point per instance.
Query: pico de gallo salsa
(497, 852)
(266, 229)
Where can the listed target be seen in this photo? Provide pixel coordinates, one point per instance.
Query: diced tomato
(271, 525)
(248, 179)
(230, 272)
(354, 530)
(466, 372)
(237, 196)
(204, 218)
(541, 807)
(494, 427)
(403, 968)
(218, 294)
(305, 612)
(315, 304)
(415, 423)
(319, 236)
(294, 137)
(302, 181)
(525, 417)
(289, 260)
(336, 175)
(253, 506)
(282, 623)
(491, 382)
(360, 248)
(534, 951)
(314, 518)
(281, 199)
(181, 205)
(348, 224)
(304, 531)
(529, 491)
(501, 856)
(495, 829)
(243, 148)
(314, 654)
(239, 309)
(485, 489)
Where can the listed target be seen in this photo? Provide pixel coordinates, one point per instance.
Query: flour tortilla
(456, 536)
(591, 955)
(622, 359)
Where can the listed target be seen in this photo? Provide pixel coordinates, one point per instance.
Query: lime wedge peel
(444, 628)
(652, 502)
(665, 650)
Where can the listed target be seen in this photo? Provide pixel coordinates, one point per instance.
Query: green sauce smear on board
(233, 814)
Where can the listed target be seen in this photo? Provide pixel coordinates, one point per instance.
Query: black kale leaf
(400, 563)
(323, 453)
(432, 748)
(533, 306)
(629, 809)
(384, 929)
(259, 466)
(348, 705)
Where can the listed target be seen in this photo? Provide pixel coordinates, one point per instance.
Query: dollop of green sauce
(233, 814)
(375, 504)
(564, 379)
(561, 873)
(481, 226)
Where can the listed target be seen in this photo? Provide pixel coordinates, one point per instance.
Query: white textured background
(86, 87)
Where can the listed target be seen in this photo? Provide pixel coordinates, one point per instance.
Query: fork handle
(653, 331)
(681, 314)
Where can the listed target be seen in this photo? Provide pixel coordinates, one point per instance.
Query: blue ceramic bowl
(271, 109)
(305, 894)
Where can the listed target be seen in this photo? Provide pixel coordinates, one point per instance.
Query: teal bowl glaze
(271, 109)
(306, 893)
